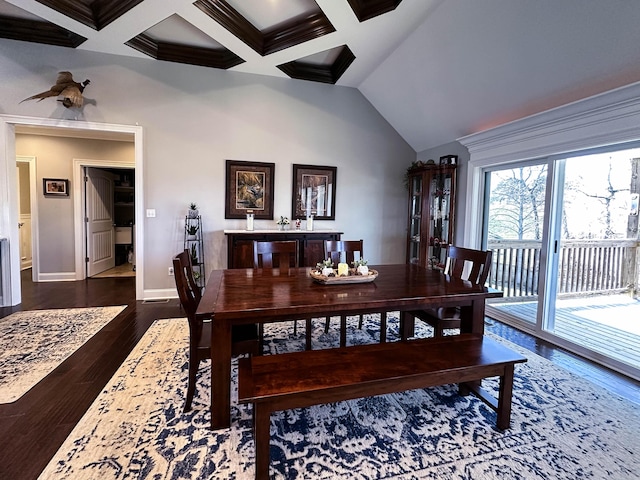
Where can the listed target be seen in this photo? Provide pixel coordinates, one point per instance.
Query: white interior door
(99, 218)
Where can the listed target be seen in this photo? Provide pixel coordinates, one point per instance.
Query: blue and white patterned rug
(563, 427)
(35, 342)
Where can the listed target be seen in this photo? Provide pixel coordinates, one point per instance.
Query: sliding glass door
(595, 259)
(564, 236)
(514, 222)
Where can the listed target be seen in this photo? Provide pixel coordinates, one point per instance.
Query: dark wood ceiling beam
(366, 9)
(107, 11)
(35, 31)
(307, 71)
(172, 52)
(292, 32)
(320, 73)
(79, 11)
(296, 31)
(229, 18)
(96, 14)
(340, 65)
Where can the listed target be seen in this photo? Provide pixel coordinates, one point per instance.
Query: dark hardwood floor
(34, 427)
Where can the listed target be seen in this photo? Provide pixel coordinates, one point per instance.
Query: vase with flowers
(282, 223)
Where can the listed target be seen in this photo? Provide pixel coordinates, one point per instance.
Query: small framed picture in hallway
(55, 187)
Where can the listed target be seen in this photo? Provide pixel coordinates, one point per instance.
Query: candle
(343, 269)
(309, 222)
(249, 221)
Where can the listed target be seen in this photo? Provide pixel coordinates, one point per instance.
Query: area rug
(35, 342)
(563, 427)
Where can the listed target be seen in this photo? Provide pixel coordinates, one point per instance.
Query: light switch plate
(151, 212)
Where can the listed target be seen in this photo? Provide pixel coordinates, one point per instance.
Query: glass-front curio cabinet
(431, 213)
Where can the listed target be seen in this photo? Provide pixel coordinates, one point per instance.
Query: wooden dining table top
(246, 296)
(237, 294)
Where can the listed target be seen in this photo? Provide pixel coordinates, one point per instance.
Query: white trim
(78, 209)
(160, 294)
(8, 188)
(57, 277)
(33, 198)
(606, 119)
(5, 278)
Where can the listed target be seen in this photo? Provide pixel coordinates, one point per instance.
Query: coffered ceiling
(328, 41)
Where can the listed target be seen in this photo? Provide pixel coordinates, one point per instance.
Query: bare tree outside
(597, 196)
(517, 203)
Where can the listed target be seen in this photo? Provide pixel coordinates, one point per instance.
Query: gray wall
(195, 118)
(54, 159)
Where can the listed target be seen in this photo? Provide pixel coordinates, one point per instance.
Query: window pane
(514, 234)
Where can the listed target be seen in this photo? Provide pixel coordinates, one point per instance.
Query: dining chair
(281, 254)
(244, 338)
(275, 254)
(343, 251)
(463, 263)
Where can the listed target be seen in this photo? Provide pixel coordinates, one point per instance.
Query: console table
(310, 244)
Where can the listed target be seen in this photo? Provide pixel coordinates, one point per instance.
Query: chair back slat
(188, 290)
(277, 254)
(468, 264)
(340, 251)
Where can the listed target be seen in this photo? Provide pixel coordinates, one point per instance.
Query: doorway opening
(109, 240)
(9, 217)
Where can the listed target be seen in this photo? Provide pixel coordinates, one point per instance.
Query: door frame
(79, 199)
(12, 293)
(33, 200)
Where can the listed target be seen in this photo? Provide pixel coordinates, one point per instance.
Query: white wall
(195, 118)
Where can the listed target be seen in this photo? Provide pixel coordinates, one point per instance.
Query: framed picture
(55, 187)
(249, 189)
(314, 192)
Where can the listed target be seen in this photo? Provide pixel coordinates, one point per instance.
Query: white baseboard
(159, 294)
(57, 277)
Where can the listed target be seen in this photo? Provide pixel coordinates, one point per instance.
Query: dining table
(250, 296)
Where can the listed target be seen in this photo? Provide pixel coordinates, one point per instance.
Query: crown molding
(605, 119)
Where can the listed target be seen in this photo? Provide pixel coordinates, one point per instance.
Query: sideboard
(310, 244)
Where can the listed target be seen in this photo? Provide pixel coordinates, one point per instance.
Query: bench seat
(303, 379)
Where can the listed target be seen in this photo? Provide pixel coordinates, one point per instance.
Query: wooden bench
(302, 379)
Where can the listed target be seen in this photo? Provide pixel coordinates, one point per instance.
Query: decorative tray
(323, 279)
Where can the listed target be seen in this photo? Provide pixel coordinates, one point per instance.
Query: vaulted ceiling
(435, 69)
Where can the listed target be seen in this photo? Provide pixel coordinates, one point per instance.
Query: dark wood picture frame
(314, 192)
(249, 189)
(55, 187)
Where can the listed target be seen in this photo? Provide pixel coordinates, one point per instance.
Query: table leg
(220, 374)
(262, 438)
(407, 325)
(504, 398)
(472, 317)
(307, 334)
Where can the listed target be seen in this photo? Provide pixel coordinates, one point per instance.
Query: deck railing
(584, 267)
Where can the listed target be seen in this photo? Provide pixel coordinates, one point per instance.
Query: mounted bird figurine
(65, 87)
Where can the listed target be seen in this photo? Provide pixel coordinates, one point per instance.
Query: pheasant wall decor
(65, 87)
